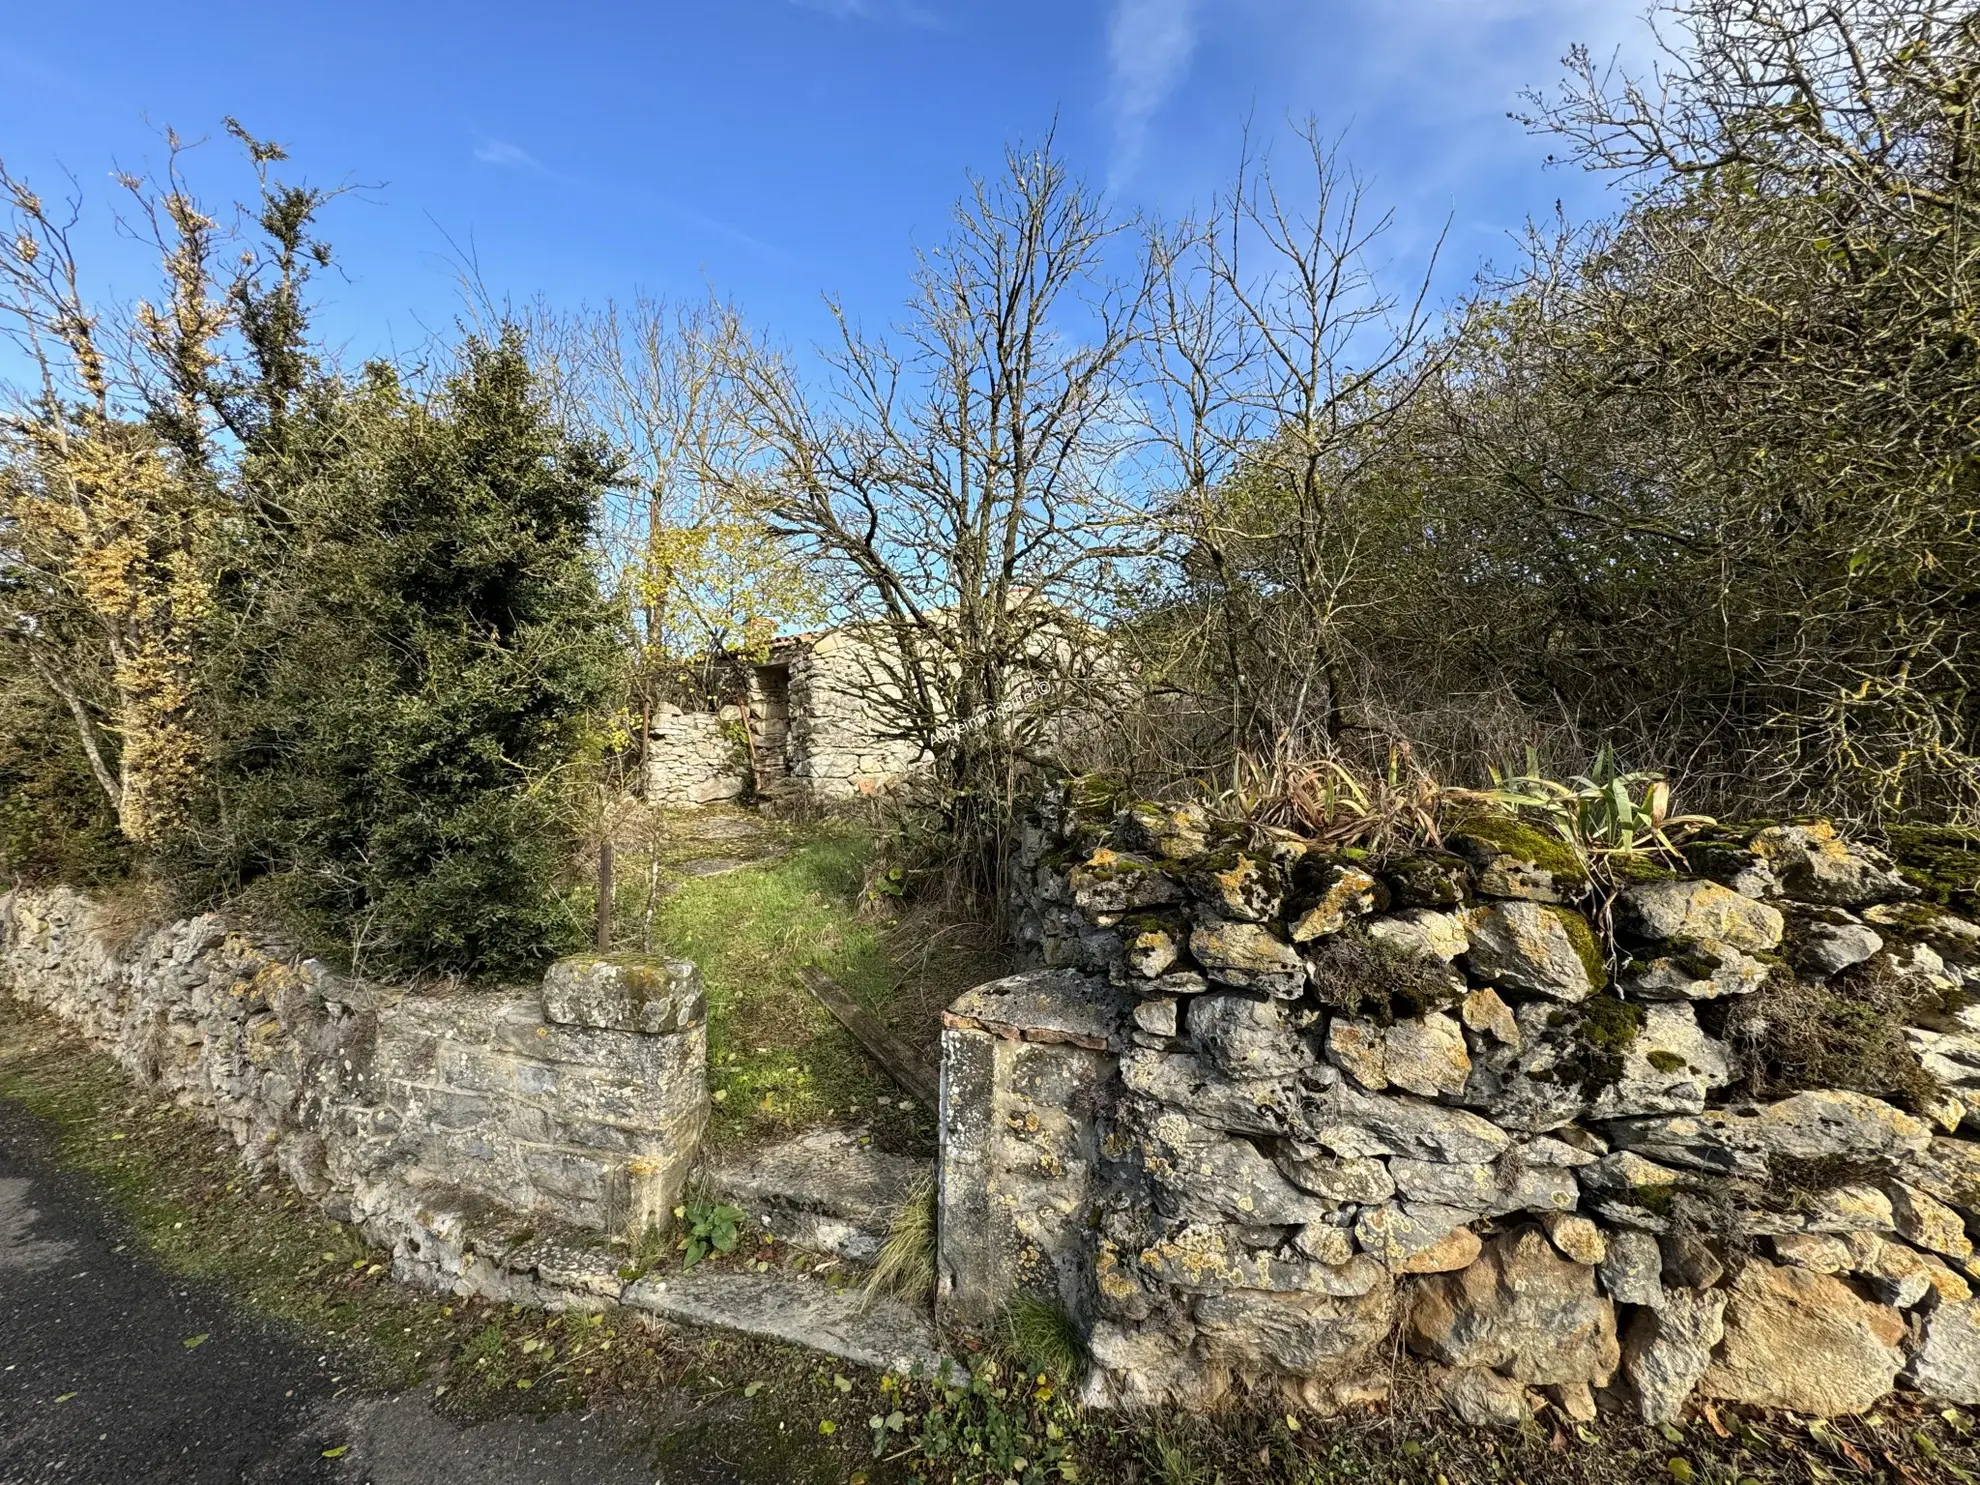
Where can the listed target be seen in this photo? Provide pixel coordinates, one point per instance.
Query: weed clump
(1366, 977)
(1047, 1339)
(1847, 1033)
(906, 1262)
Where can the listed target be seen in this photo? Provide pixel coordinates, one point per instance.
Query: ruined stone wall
(1710, 1131)
(839, 721)
(424, 1118)
(694, 758)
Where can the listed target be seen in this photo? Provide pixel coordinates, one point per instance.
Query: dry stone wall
(1269, 1106)
(841, 721)
(694, 758)
(488, 1138)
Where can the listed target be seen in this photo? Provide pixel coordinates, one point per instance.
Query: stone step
(880, 1332)
(823, 1191)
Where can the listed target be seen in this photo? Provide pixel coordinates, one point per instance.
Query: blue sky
(775, 148)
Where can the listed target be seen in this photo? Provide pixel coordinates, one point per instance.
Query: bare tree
(957, 480)
(1277, 358)
(699, 575)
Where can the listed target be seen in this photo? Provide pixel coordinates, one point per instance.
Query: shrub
(414, 655)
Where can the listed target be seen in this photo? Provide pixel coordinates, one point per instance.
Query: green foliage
(1602, 812)
(1047, 1339)
(56, 823)
(999, 1426)
(409, 665)
(707, 1227)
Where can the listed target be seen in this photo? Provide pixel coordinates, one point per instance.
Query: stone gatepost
(1028, 1065)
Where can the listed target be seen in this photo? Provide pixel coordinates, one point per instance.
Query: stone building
(812, 728)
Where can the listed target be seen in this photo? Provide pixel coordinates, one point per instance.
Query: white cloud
(510, 156)
(1149, 46)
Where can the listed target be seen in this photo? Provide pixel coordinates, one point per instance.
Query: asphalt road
(100, 1386)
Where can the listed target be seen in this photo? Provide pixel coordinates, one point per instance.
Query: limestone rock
(1898, 1277)
(1138, 1366)
(1156, 1016)
(1429, 879)
(1704, 970)
(1668, 1349)
(1670, 1067)
(1195, 1086)
(1300, 1335)
(1690, 1262)
(1949, 1171)
(1955, 939)
(621, 995)
(1625, 1188)
(1325, 1244)
(1421, 1054)
(1829, 948)
(1172, 832)
(1491, 1190)
(1150, 952)
(1557, 1074)
(1813, 864)
(1657, 912)
(1241, 888)
(1801, 1340)
(1575, 1237)
(1482, 1398)
(1345, 894)
(1807, 1126)
(1424, 933)
(1819, 1252)
(1112, 882)
(1929, 1223)
(1395, 1232)
(1204, 1258)
(1946, 1364)
(1632, 1268)
(1951, 1059)
(1547, 1149)
(1485, 1013)
(1529, 946)
(1202, 1173)
(1245, 1037)
(1510, 859)
(1522, 1310)
(1575, 1399)
(1249, 957)
(1350, 1122)
(1458, 1248)
(1354, 1180)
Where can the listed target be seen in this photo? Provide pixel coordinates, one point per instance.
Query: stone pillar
(1028, 1065)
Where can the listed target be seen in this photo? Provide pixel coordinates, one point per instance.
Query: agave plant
(1603, 812)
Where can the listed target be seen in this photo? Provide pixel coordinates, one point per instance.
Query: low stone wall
(1271, 1106)
(458, 1129)
(694, 758)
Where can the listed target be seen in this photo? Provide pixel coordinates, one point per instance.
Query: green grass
(777, 1061)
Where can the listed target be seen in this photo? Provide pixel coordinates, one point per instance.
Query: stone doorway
(770, 726)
